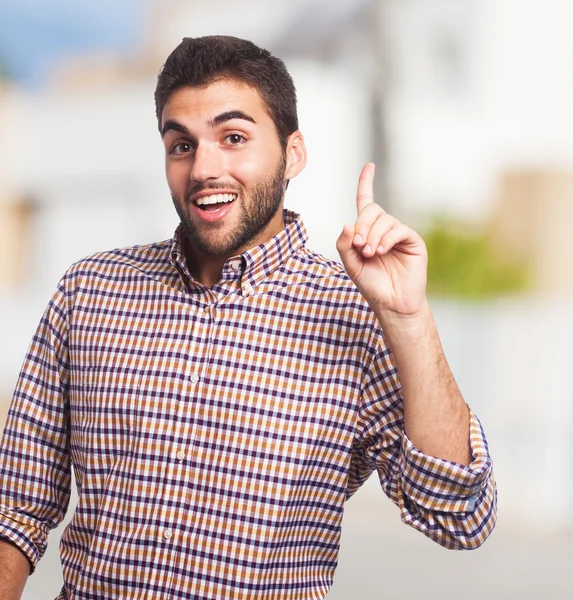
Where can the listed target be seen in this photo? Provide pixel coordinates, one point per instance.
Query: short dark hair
(198, 62)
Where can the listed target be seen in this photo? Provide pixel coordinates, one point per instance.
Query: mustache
(215, 185)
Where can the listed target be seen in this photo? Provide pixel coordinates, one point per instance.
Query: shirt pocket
(105, 408)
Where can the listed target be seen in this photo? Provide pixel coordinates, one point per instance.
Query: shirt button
(167, 534)
(248, 288)
(181, 455)
(194, 378)
(236, 265)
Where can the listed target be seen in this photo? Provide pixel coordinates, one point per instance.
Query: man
(220, 395)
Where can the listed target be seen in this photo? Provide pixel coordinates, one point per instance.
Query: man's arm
(436, 418)
(415, 428)
(14, 571)
(35, 469)
(388, 263)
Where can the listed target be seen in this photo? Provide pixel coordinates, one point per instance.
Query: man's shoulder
(146, 259)
(319, 267)
(323, 275)
(323, 281)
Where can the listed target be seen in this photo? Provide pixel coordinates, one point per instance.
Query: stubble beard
(264, 203)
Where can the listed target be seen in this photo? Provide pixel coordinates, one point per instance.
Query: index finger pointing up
(365, 192)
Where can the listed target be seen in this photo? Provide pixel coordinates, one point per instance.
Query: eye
(181, 148)
(234, 139)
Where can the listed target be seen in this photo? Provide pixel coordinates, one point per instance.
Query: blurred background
(464, 105)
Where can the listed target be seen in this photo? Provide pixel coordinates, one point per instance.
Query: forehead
(204, 103)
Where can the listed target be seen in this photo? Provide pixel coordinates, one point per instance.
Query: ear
(295, 155)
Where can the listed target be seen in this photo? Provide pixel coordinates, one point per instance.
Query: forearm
(436, 418)
(14, 571)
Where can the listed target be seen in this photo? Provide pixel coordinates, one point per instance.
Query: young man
(221, 395)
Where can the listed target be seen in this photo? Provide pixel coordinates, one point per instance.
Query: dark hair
(198, 62)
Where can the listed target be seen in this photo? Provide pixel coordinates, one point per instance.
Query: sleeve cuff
(436, 484)
(27, 537)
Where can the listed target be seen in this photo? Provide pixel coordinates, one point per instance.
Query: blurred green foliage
(463, 265)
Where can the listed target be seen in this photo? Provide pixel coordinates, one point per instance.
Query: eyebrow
(228, 116)
(214, 122)
(174, 126)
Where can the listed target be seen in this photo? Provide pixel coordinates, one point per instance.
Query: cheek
(255, 166)
(176, 174)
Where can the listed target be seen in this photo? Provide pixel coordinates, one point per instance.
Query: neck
(207, 268)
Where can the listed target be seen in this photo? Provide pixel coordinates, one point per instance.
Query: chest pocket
(104, 408)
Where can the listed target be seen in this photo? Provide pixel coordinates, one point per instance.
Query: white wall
(476, 86)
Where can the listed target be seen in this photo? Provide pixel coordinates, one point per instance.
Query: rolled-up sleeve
(450, 502)
(453, 504)
(27, 534)
(34, 458)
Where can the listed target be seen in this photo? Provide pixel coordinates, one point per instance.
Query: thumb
(344, 242)
(349, 255)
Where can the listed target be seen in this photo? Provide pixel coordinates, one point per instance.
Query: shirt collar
(258, 262)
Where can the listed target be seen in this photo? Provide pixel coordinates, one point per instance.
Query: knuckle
(372, 210)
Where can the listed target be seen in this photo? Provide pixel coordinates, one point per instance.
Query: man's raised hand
(386, 259)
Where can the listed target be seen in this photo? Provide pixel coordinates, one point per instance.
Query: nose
(207, 163)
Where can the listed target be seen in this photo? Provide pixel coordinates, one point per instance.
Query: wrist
(411, 321)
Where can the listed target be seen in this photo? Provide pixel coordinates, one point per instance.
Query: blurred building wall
(532, 223)
(476, 87)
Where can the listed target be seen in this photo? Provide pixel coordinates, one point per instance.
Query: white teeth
(216, 199)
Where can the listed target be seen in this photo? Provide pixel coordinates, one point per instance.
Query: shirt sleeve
(453, 504)
(34, 459)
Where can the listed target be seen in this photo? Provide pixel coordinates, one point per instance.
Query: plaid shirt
(215, 434)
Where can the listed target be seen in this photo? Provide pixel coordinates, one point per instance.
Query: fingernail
(357, 239)
(367, 249)
(380, 250)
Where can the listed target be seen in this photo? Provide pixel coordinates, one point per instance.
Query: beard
(255, 213)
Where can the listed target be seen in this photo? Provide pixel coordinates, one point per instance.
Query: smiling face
(226, 168)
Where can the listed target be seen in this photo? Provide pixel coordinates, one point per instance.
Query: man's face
(225, 167)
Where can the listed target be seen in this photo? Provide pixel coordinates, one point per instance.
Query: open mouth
(215, 202)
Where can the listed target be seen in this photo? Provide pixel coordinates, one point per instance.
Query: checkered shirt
(216, 433)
